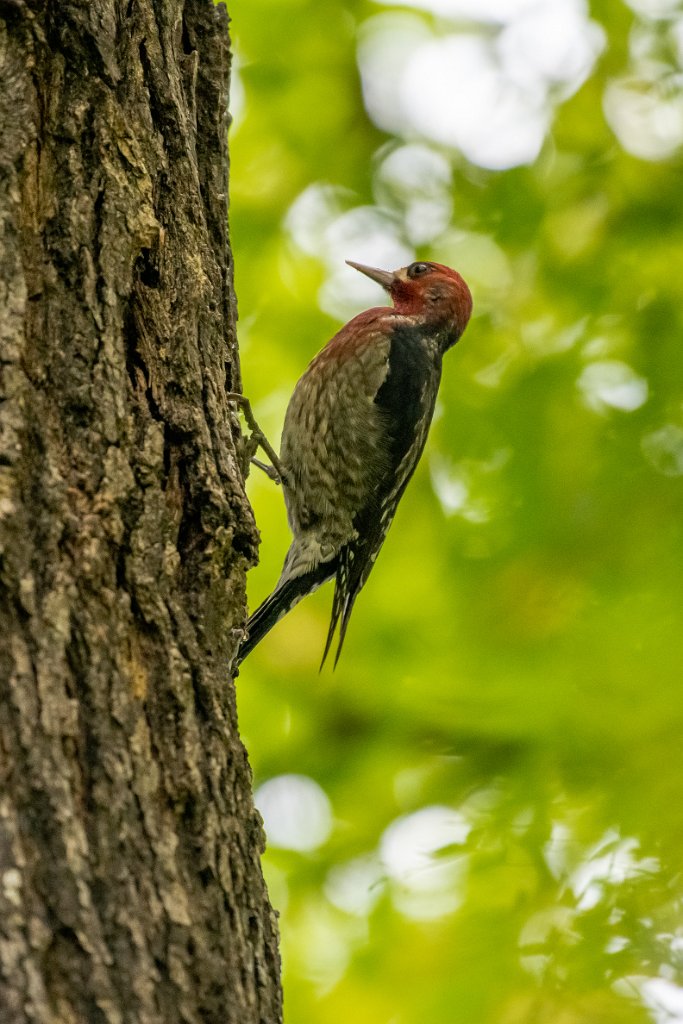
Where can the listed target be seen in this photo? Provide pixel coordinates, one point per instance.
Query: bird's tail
(348, 584)
(288, 592)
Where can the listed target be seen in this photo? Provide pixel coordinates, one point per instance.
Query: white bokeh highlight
(416, 180)
(646, 115)
(610, 863)
(472, 10)
(663, 449)
(464, 488)
(610, 384)
(419, 857)
(296, 812)
(489, 95)
(356, 886)
(663, 999)
(655, 8)
(471, 104)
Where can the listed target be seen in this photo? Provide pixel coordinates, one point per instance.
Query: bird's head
(429, 292)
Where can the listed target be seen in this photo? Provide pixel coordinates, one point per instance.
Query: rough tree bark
(130, 881)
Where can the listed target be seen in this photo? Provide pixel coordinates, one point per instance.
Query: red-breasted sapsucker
(354, 431)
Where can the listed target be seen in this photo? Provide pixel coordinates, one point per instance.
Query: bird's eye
(416, 269)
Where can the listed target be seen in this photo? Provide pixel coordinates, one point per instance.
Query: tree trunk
(130, 881)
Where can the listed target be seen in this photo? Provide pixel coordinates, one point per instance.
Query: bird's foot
(258, 440)
(270, 471)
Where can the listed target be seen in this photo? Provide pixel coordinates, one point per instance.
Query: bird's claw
(258, 440)
(270, 471)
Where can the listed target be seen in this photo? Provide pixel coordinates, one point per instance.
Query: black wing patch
(412, 367)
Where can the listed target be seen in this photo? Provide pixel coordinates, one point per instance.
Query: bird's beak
(384, 277)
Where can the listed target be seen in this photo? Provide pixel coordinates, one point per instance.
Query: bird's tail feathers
(346, 590)
(288, 592)
(334, 619)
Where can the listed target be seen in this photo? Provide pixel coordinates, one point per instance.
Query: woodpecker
(354, 431)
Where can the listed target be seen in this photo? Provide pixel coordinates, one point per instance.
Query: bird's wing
(406, 401)
(334, 446)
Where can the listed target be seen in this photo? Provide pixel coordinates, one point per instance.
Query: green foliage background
(501, 743)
